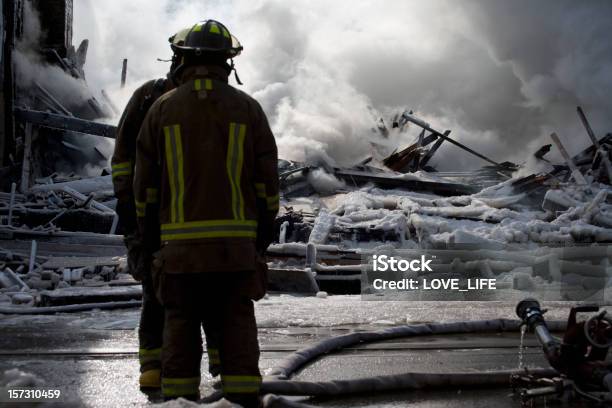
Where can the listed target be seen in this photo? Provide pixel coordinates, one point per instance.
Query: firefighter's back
(207, 198)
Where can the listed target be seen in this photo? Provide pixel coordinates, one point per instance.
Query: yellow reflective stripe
(152, 195)
(181, 176)
(237, 384)
(173, 387)
(209, 223)
(179, 380)
(174, 159)
(210, 229)
(214, 28)
(121, 173)
(260, 190)
(235, 157)
(171, 175)
(230, 167)
(122, 166)
(226, 33)
(140, 208)
(208, 85)
(121, 169)
(148, 355)
(208, 234)
(197, 27)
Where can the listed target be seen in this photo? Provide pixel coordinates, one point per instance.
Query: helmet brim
(230, 52)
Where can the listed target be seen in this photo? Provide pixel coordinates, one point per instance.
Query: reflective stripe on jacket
(209, 151)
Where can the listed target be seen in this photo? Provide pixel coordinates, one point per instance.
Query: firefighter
(206, 187)
(150, 332)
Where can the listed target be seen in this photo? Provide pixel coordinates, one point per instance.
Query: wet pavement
(92, 358)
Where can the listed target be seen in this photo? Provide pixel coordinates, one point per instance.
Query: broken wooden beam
(53, 99)
(399, 160)
(426, 126)
(604, 154)
(433, 150)
(124, 72)
(394, 181)
(575, 171)
(26, 165)
(62, 122)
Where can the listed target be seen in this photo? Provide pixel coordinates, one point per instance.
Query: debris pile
(46, 280)
(61, 242)
(492, 208)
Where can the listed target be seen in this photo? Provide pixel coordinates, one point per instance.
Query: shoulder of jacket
(162, 99)
(253, 103)
(147, 87)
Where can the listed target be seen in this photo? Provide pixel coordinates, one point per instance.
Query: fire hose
(281, 384)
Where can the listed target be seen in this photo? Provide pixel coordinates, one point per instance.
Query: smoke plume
(501, 75)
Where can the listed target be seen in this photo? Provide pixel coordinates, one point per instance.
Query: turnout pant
(151, 328)
(221, 303)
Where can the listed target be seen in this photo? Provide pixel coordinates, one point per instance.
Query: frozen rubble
(331, 217)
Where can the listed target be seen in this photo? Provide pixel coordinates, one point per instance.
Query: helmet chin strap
(233, 68)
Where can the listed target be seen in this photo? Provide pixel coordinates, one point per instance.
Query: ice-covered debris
(422, 176)
(322, 295)
(463, 237)
(500, 201)
(323, 225)
(522, 278)
(22, 299)
(503, 189)
(84, 186)
(558, 200)
(361, 200)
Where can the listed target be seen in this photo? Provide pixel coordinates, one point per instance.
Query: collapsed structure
(59, 241)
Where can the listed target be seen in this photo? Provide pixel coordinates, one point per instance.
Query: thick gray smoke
(501, 75)
(72, 153)
(31, 69)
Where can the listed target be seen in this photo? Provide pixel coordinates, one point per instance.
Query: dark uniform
(151, 326)
(206, 183)
(150, 331)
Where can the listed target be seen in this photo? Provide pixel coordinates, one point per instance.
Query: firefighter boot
(150, 379)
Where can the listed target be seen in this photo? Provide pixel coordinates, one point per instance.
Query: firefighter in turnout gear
(206, 186)
(150, 332)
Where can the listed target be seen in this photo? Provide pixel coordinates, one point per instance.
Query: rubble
(331, 215)
(60, 241)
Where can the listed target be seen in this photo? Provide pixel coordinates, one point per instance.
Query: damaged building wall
(6, 82)
(56, 18)
(47, 78)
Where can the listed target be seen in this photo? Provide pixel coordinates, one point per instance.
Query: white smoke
(32, 70)
(501, 75)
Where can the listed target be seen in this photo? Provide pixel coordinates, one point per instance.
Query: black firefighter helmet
(206, 38)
